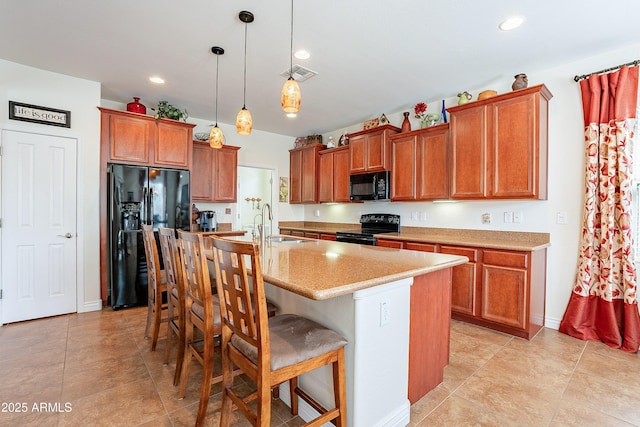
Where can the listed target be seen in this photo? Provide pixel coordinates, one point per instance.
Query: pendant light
(216, 138)
(244, 123)
(290, 96)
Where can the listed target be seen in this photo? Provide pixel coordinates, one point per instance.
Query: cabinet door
(432, 172)
(295, 178)
(309, 181)
(504, 295)
(468, 153)
(173, 145)
(403, 168)
(325, 177)
(202, 173)
(464, 281)
(357, 148)
(226, 175)
(377, 156)
(130, 139)
(505, 288)
(341, 188)
(325, 236)
(514, 148)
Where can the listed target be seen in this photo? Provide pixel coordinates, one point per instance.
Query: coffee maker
(208, 221)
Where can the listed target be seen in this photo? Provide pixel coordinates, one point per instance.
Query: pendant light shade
(216, 137)
(244, 123)
(290, 97)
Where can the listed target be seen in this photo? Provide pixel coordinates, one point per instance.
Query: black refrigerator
(140, 195)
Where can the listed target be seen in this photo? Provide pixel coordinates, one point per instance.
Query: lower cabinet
(464, 283)
(498, 289)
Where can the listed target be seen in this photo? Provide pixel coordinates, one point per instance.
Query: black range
(370, 224)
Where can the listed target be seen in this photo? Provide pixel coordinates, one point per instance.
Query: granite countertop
(320, 269)
(493, 239)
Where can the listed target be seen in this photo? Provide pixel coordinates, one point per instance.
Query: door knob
(68, 235)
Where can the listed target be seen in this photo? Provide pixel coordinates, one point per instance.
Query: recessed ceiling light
(302, 54)
(291, 114)
(511, 23)
(156, 79)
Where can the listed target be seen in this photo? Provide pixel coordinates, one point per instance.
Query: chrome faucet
(253, 230)
(263, 237)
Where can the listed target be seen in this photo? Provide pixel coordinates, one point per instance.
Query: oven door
(362, 239)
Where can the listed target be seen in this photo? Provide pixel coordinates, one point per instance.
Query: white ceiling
(371, 56)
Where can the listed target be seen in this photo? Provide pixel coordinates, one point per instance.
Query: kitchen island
(392, 306)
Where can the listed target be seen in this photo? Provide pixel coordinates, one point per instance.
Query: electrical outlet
(517, 217)
(561, 218)
(423, 216)
(414, 216)
(508, 217)
(317, 212)
(486, 218)
(385, 314)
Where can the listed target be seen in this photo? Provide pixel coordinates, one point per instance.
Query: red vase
(136, 107)
(406, 124)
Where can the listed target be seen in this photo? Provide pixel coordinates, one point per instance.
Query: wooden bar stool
(156, 287)
(202, 312)
(175, 298)
(269, 351)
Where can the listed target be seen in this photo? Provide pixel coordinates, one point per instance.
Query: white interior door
(38, 225)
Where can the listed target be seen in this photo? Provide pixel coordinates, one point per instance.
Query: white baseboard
(90, 306)
(552, 323)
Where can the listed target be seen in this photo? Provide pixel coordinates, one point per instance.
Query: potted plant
(168, 111)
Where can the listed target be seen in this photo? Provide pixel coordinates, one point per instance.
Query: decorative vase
(406, 124)
(136, 106)
(520, 81)
(424, 124)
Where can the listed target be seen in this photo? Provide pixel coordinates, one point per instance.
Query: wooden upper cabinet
(325, 176)
(370, 150)
(214, 173)
(134, 138)
(419, 164)
(499, 146)
(172, 147)
(129, 138)
(333, 175)
(303, 170)
(202, 173)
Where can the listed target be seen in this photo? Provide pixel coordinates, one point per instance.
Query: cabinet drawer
(470, 253)
(312, 235)
(506, 258)
(423, 247)
(397, 244)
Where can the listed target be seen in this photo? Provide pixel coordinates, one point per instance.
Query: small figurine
(521, 81)
(330, 142)
(464, 97)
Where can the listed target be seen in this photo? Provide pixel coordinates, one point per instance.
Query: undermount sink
(284, 239)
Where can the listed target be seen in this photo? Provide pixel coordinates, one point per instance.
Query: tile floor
(96, 369)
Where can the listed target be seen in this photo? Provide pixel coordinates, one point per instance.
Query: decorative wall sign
(38, 114)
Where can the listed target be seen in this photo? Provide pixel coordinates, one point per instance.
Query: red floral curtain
(603, 305)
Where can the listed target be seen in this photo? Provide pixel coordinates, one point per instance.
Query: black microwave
(369, 186)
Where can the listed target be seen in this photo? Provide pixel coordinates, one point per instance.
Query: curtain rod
(584, 76)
